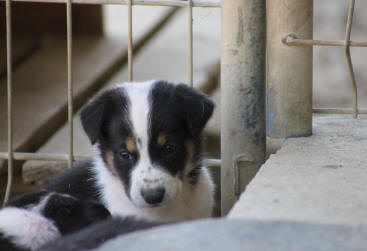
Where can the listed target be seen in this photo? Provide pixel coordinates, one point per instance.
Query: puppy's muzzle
(153, 196)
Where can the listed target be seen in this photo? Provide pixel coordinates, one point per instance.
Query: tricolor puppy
(149, 165)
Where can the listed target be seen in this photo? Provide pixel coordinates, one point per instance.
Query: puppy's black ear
(95, 113)
(195, 107)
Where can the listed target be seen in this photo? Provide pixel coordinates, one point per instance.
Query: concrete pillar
(289, 69)
(242, 95)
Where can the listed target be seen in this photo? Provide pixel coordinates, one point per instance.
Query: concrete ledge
(320, 179)
(243, 235)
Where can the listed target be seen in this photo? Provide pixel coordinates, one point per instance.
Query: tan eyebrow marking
(161, 139)
(130, 144)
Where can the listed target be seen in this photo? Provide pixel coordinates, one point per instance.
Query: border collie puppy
(148, 136)
(37, 218)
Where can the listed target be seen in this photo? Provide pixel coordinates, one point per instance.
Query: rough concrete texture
(243, 235)
(319, 179)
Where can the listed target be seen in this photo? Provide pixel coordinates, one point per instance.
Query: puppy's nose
(153, 196)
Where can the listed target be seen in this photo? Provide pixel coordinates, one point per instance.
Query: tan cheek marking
(161, 139)
(190, 155)
(130, 145)
(111, 165)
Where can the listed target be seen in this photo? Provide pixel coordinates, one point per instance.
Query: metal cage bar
(10, 108)
(292, 39)
(65, 157)
(191, 45)
(70, 79)
(168, 3)
(130, 40)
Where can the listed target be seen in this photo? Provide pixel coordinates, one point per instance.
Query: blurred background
(161, 51)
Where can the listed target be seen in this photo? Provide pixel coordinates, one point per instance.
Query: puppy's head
(149, 137)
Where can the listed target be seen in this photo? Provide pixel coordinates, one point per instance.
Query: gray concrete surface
(320, 179)
(233, 235)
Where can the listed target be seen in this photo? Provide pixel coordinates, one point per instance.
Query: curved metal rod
(349, 58)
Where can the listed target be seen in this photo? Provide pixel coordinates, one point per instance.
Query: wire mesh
(293, 40)
(70, 157)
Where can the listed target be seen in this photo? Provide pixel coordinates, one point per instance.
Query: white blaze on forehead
(145, 175)
(139, 109)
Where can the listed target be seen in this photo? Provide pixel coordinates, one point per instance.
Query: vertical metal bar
(10, 110)
(130, 41)
(289, 69)
(191, 46)
(70, 79)
(349, 59)
(243, 95)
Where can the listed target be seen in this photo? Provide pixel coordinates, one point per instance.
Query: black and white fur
(148, 138)
(22, 229)
(38, 218)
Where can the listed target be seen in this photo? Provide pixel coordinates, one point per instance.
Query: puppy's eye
(125, 155)
(169, 148)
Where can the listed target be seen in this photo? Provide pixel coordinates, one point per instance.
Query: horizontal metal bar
(291, 39)
(213, 162)
(43, 156)
(172, 3)
(338, 111)
(65, 157)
